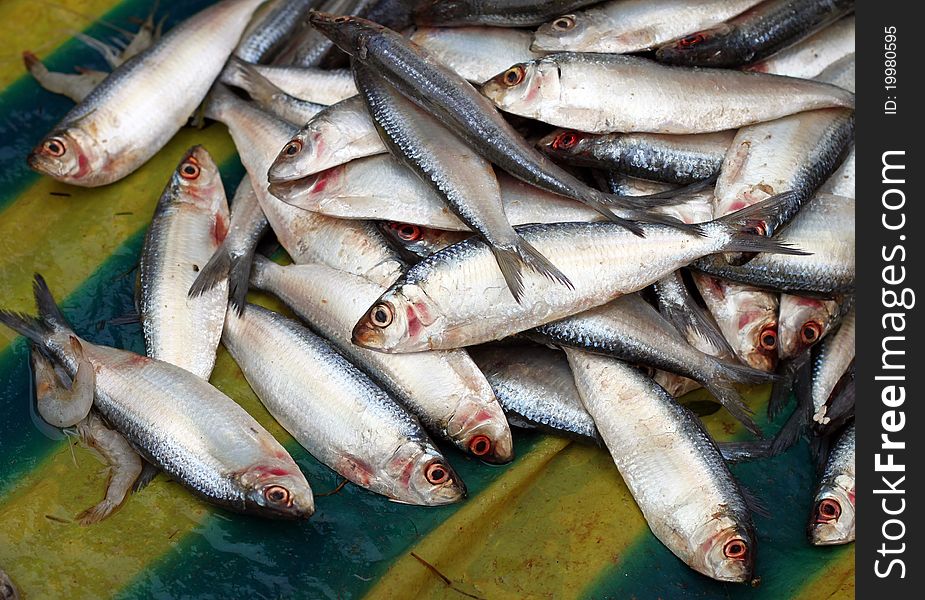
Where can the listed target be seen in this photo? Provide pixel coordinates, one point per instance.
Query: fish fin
(215, 271)
(238, 282)
(693, 318)
(731, 400)
(23, 324)
(788, 372)
(669, 197)
(602, 208)
(753, 502)
(97, 513)
(739, 373)
(793, 429)
(48, 308)
(670, 221)
(736, 452)
(539, 263)
(148, 472)
(511, 261)
(242, 75)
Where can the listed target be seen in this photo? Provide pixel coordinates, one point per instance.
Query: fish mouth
(366, 336)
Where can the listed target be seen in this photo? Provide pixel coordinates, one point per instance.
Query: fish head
(707, 47)
(72, 156)
(422, 476)
(298, 158)
(479, 427)
(756, 328)
(313, 191)
(832, 520)
(277, 489)
(402, 320)
(567, 144)
(723, 548)
(197, 179)
(803, 322)
(523, 88)
(564, 32)
(350, 34)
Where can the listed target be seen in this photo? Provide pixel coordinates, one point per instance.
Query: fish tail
(755, 219)
(49, 320)
(669, 220)
(510, 263)
(729, 397)
(215, 271)
(613, 218)
(692, 318)
(539, 263)
(97, 513)
(242, 75)
(23, 324)
(238, 281)
(741, 373)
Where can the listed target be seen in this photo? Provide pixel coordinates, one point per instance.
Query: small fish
(810, 57)
(137, 109)
(189, 224)
(834, 359)
(497, 13)
(754, 35)
(833, 518)
(671, 466)
(625, 26)
(476, 53)
(458, 297)
(804, 322)
(336, 412)
(464, 181)
(57, 404)
(670, 158)
(606, 93)
(200, 437)
(231, 261)
(536, 388)
(124, 464)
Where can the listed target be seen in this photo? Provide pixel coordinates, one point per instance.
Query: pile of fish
(546, 214)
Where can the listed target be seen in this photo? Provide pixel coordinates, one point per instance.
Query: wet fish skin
(671, 466)
(422, 309)
(476, 53)
(232, 260)
(338, 134)
(803, 322)
(755, 34)
(189, 224)
(606, 93)
(57, 404)
(443, 389)
(415, 242)
(841, 183)
(267, 95)
(124, 464)
(496, 13)
(200, 437)
(536, 388)
(143, 103)
(336, 412)
(462, 179)
(834, 359)
(833, 518)
(356, 247)
(270, 28)
(659, 157)
(625, 26)
(808, 58)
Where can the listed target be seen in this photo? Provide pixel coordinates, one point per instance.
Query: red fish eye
(480, 445)
(810, 332)
(54, 147)
(277, 494)
(436, 473)
(380, 315)
(408, 232)
(768, 337)
(293, 148)
(691, 40)
(565, 140)
(828, 511)
(189, 170)
(514, 75)
(341, 19)
(564, 23)
(735, 549)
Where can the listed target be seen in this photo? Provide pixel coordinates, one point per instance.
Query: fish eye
(735, 549)
(565, 140)
(343, 19)
(564, 23)
(810, 332)
(480, 445)
(292, 148)
(277, 494)
(768, 337)
(436, 473)
(189, 170)
(407, 231)
(691, 40)
(54, 147)
(514, 75)
(828, 511)
(380, 315)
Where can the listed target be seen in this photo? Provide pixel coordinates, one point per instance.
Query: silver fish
(189, 224)
(57, 404)
(423, 310)
(836, 355)
(812, 55)
(476, 53)
(625, 26)
(124, 466)
(200, 437)
(833, 519)
(630, 329)
(267, 95)
(462, 179)
(414, 242)
(338, 134)
(144, 102)
(499, 13)
(672, 467)
(272, 24)
(231, 261)
(536, 388)
(306, 83)
(803, 322)
(605, 93)
(336, 412)
(444, 389)
(352, 246)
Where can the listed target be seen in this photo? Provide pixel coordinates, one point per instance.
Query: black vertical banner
(890, 372)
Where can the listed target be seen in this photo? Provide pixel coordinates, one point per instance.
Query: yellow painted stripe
(49, 25)
(65, 238)
(836, 581)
